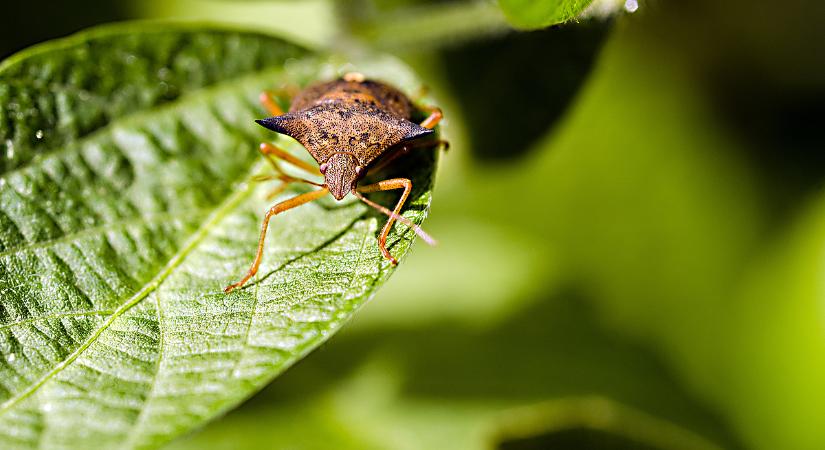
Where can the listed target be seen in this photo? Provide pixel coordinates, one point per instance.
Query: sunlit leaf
(531, 14)
(126, 206)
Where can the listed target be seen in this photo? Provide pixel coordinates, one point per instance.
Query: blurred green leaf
(308, 22)
(775, 340)
(125, 208)
(537, 94)
(444, 385)
(655, 211)
(531, 14)
(416, 26)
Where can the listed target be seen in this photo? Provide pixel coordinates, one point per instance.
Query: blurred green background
(631, 221)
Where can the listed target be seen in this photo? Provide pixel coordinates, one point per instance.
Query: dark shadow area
(784, 131)
(579, 438)
(553, 349)
(29, 23)
(494, 82)
(763, 72)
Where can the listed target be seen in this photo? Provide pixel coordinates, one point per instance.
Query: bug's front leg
(277, 209)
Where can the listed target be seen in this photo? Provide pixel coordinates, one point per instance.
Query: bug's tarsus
(278, 208)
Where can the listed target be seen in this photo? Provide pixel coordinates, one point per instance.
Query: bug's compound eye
(323, 168)
(359, 170)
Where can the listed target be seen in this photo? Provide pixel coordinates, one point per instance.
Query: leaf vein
(177, 259)
(71, 237)
(129, 442)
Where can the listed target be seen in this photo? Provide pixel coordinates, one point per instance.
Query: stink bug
(350, 126)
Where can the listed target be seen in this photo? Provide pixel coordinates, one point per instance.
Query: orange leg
(271, 153)
(267, 99)
(285, 182)
(271, 150)
(435, 116)
(277, 209)
(386, 185)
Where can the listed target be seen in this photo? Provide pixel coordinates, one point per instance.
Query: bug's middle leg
(269, 151)
(272, 153)
(276, 209)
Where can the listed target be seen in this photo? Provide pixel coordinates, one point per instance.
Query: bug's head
(341, 172)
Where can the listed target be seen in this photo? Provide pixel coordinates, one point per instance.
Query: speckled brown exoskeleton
(350, 126)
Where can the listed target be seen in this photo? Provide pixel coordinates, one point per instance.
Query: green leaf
(126, 206)
(531, 14)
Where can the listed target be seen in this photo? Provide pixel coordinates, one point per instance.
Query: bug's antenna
(421, 233)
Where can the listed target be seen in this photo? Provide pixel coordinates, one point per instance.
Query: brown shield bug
(350, 126)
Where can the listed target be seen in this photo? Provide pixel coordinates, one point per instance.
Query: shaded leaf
(125, 207)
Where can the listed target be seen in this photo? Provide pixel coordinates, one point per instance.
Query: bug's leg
(277, 209)
(270, 150)
(386, 185)
(435, 116)
(267, 98)
(271, 153)
(286, 180)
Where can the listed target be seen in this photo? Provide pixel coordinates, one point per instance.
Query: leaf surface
(531, 14)
(125, 207)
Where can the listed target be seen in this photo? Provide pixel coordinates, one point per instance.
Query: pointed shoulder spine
(414, 131)
(280, 124)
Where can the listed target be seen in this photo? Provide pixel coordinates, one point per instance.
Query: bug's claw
(387, 254)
